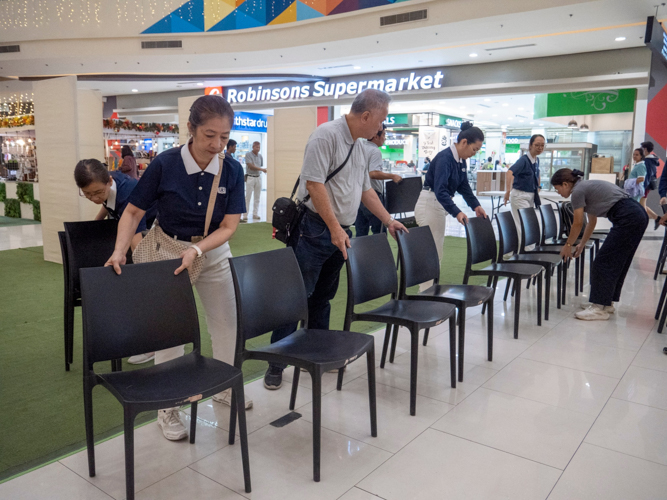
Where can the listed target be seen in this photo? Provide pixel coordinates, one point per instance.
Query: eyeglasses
(90, 196)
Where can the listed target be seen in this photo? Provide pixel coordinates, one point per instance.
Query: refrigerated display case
(563, 155)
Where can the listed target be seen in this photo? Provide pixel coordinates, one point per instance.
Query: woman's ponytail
(566, 175)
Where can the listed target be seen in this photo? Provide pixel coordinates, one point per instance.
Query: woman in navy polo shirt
(523, 180)
(447, 175)
(180, 180)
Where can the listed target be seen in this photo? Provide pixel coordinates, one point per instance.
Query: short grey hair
(370, 100)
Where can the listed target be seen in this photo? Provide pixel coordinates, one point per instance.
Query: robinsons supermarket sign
(422, 80)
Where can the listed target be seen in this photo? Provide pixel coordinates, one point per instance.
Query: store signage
(395, 142)
(397, 119)
(405, 82)
(429, 142)
(585, 103)
(250, 122)
(450, 121)
(656, 38)
(213, 91)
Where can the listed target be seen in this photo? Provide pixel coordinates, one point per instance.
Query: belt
(252, 175)
(316, 216)
(192, 239)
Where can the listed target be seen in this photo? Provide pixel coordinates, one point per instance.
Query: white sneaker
(256, 217)
(609, 309)
(225, 398)
(141, 358)
(170, 422)
(594, 312)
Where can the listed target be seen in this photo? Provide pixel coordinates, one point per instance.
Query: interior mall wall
(68, 128)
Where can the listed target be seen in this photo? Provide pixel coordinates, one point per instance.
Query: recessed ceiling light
(505, 104)
(473, 55)
(620, 39)
(532, 123)
(357, 67)
(494, 115)
(510, 118)
(520, 121)
(520, 109)
(135, 90)
(487, 100)
(200, 84)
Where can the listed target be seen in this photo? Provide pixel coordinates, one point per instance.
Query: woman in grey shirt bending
(629, 219)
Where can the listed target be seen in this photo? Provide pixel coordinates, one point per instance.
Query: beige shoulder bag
(157, 245)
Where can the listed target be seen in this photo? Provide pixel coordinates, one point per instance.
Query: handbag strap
(212, 198)
(329, 177)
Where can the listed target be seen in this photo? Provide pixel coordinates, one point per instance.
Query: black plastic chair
(371, 274)
(482, 248)
(418, 259)
(662, 256)
(158, 312)
(260, 310)
(71, 300)
(88, 244)
(509, 244)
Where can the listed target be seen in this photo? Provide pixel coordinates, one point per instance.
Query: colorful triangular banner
(288, 15)
(303, 12)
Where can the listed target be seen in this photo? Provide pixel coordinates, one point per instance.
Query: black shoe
(273, 379)
(664, 349)
(657, 224)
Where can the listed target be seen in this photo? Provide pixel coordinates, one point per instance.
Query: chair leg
(547, 292)
(517, 308)
(69, 330)
(581, 269)
(426, 336)
(414, 353)
(370, 370)
(488, 284)
(232, 419)
(339, 383)
(591, 257)
(452, 350)
(559, 269)
(90, 436)
(576, 277)
(563, 273)
(527, 284)
(661, 302)
(539, 300)
(661, 325)
(317, 422)
(514, 286)
(489, 327)
(193, 422)
(385, 345)
(507, 288)
(295, 387)
(462, 339)
(238, 396)
(128, 424)
(394, 339)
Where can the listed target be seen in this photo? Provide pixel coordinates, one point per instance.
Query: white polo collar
(111, 200)
(530, 157)
(455, 153)
(191, 166)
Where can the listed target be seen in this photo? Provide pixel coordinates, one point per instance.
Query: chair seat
(547, 258)
(171, 383)
(332, 348)
(554, 249)
(469, 295)
(409, 312)
(503, 269)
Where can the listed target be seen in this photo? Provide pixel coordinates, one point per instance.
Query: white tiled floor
(570, 410)
(12, 237)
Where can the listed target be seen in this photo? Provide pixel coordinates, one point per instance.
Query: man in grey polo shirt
(324, 234)
(253, 187)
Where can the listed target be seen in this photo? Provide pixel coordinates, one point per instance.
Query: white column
(68, 128)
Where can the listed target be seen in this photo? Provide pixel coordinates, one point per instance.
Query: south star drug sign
(337, 88)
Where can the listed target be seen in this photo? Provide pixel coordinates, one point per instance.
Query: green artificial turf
(43, 415)
(12, 221)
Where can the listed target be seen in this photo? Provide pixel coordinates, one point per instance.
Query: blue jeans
(320, 262)
(366, 221)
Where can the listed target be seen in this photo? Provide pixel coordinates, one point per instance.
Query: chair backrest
(269, 293)
(402, 197)
(549, 223)
(418, 257)
(481, 241)
(144, 309)
(530, 228)
(89, 244)
(509, 236)
(371, 270)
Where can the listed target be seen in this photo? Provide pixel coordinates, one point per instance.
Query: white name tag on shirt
(222, 190)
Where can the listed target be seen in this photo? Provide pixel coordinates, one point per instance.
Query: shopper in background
(447, 176)
(324, 233)
(254, 167)
(611, 264)
(129, 164)
(522, 180)
(638, 173)
(427, 164)
(652, 163)
(365, 219)
(180, 181)
(231, 149)
(489, 164)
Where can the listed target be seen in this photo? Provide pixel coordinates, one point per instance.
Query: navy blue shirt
(527, 176)
(124, 187)
(652, 163)
(445, 177)
(182, 199)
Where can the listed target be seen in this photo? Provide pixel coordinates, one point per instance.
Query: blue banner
(250, 122)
